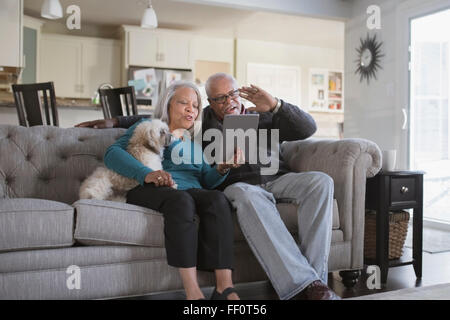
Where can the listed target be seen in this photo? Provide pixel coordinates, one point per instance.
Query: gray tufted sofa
(119, 248)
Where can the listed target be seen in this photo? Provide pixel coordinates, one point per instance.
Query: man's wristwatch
(278, 106)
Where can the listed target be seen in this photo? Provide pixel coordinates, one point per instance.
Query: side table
(389, 191)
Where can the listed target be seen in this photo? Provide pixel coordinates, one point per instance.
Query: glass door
(429, 110)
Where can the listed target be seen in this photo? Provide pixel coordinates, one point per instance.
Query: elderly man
(295, 270)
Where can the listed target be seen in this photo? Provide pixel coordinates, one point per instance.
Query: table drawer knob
(404, 189)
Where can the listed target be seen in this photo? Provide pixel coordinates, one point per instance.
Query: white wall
(305, 57)
(367, 107)
(374, 111)
(87, 29)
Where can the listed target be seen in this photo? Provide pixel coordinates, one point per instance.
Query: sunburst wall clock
(369, 57)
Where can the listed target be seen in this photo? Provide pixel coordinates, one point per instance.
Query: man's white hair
(215, 77)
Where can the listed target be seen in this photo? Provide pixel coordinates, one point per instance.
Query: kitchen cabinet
(78, 65)
(212, 49)
(31, 40)
(156, 48)
(142, 49)
(101, 64)
(173, 50)
(60, 62)
(211, 55)
(11, 33)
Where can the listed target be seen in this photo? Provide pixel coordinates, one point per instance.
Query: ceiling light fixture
(51, 9)
(149, 20)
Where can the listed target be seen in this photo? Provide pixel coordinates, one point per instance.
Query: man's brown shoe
(319, 291)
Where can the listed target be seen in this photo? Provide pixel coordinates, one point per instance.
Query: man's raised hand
(263, 101)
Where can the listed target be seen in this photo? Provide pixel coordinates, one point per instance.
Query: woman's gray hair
(162, 108)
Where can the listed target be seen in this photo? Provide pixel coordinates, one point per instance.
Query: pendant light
(149, 20)
(51, 9)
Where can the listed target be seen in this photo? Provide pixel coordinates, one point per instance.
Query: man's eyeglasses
(222, 99)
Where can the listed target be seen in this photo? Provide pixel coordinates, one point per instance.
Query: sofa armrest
(349, 162)
(328, 155)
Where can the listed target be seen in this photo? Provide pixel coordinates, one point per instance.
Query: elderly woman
(188, 249)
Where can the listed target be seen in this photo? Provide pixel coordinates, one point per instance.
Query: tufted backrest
(49, 162)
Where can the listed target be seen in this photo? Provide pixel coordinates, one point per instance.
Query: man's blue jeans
(291, 267)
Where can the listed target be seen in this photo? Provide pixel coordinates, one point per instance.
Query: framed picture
(320, 94)
(318, 79)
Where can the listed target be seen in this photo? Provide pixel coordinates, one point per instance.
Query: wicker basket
(398, 229)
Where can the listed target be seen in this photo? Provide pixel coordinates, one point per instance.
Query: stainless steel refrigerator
(149, 83)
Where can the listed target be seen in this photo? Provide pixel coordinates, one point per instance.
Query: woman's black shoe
(223, 295)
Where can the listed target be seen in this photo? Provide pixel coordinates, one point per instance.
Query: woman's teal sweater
(179, 160)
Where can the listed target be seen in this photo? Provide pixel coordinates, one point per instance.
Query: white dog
(146, 145)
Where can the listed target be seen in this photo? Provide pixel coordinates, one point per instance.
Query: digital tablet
(244, 122)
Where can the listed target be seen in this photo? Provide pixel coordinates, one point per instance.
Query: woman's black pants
(208, 246)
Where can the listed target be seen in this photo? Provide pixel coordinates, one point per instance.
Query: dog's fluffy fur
(146, 145)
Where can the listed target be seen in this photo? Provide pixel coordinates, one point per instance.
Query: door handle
(405, 119)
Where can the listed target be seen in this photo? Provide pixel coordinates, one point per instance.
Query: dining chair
(114, 101)
(30, 110)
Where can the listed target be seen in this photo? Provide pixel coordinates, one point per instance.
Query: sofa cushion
(62, 258)
(106, 222)
(35, 224)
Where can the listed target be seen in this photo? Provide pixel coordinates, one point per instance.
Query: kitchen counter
(73, 111)
(7, 100)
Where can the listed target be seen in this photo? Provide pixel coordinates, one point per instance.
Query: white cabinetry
(11, 22)
(142, 49)
(212, 49)
(156, 48)
(78, 65)
(326, 90)
(101, 64)
(173, 51)
(212, 54)
(60, 62)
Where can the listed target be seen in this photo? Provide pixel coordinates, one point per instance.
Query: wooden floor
(436, 270)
